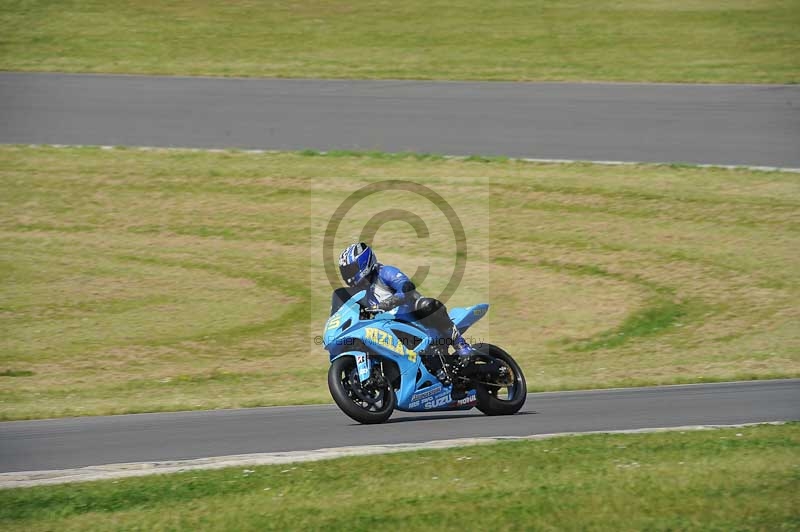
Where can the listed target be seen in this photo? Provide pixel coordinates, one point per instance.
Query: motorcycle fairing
(437, 397)
(420, 391)
(465, 317)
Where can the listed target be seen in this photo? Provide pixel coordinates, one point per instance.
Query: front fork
(370, 372)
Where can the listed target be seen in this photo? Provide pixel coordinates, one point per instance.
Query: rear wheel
(506, 392)
(370, 403)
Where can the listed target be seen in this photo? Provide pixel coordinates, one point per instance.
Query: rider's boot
(464, 351)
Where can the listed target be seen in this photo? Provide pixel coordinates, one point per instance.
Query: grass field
(632, 40)
(732, 479)
(138, 280)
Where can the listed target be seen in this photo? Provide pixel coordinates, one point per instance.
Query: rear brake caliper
(505, 375)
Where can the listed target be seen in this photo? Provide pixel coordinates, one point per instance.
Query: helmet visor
(350, 273)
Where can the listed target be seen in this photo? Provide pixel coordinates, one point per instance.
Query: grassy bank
(145, 281)
(733, 479)
(654, 40)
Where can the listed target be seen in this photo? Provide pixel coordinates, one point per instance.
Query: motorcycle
(385, 360)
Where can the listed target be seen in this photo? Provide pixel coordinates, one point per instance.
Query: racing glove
(391, 302)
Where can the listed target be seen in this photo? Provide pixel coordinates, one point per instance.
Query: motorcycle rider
(387, 287)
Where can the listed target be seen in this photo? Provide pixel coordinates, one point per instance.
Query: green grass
(732, 479)
(15, 373)
(648, 321)
(632, 40)
(135, 280)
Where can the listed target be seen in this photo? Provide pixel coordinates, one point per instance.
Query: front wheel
(371, 403)
(505, 393)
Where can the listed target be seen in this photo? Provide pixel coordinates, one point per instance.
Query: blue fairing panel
(464, 318)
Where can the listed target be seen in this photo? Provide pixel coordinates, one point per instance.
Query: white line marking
(687, 165)
(24, 479)
(377, 81)
(452, 157)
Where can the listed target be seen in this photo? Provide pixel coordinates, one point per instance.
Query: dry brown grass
(159, 280)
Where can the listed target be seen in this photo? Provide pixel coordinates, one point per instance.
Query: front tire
(368, 405)
(501, 400)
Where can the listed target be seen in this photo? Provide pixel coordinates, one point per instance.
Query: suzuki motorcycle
(385, 360)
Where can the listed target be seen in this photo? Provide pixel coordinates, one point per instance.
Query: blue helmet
(356, 263)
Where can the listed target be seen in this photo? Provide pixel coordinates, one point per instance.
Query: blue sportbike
(385, 360)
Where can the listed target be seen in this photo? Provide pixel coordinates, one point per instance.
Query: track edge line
(535, 160)
(23, 479)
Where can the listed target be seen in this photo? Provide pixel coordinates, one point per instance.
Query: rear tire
(370, 405)
(490, 399)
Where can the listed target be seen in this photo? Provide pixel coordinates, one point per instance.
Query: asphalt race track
(78, 442)
(716, 124)
(711, 124)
